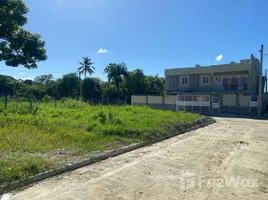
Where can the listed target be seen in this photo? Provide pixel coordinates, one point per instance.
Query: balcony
(231, 83)
(219, 83)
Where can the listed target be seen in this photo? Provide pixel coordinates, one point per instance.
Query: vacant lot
(197, 165)
(48, 137)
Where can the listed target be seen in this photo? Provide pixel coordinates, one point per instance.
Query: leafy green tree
(7, 85)
(28, 82)
(116, 72)
(108, 89)
(53, 88)
(91, 88)
(43, 79)
(18, 46)
(135, 83)
(155, 85)
(34, 90)
(69, 85)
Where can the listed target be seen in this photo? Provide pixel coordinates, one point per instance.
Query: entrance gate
(193, 103)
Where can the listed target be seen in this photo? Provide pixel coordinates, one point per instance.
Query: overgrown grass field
(49, 137)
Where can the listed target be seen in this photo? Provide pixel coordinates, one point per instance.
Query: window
(243, 83)
(226, 83)
(204, 98)
(216, 99)
(189, 98)
(204, 80)
(234, 83)
(254, 98)
(184, 80)
(181, 98)
(217, 84)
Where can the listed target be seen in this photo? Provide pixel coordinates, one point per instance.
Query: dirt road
(226, 160)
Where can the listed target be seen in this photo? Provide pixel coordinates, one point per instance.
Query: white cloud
(219, 57)
(19, 78)
(21, 73)
(101, 50)
(29, 78)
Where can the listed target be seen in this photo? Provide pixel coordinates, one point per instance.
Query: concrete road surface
(226, 160)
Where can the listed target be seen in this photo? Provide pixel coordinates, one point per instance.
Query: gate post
(163, 102)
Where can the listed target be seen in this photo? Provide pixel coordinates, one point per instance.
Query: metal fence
(106, 100)
(13, 103)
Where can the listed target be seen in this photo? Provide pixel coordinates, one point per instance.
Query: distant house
(229, 88)
(214, 90)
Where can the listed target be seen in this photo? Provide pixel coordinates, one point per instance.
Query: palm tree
(116, 72)
(85, 67)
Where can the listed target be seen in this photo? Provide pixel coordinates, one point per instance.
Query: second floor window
(184, 80)
(204, 80)
(233, 82)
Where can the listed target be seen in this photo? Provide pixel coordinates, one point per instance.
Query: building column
(237, 104)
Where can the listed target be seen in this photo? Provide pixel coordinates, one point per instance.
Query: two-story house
(228, 88)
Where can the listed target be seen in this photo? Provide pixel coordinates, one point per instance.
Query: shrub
(15, 168)
(47, 99)
(72, 103)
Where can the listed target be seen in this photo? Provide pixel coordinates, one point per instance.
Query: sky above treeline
(152, 35)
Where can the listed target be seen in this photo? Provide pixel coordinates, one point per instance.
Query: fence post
(6, 101)
(163, 102)
(31, 104)
(17, 103)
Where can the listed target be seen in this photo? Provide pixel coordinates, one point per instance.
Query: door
(216, 105)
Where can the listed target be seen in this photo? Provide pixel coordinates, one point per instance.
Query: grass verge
(49, 137)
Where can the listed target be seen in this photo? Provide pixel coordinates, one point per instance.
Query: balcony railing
(243, 87)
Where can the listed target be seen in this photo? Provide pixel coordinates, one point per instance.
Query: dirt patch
(115, 145)
(242, 143)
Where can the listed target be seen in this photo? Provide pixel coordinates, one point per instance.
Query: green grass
(27, 140)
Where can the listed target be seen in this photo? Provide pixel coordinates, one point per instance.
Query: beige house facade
(217, 89)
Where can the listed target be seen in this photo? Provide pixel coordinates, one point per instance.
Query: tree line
(19, 47)
(80, 85)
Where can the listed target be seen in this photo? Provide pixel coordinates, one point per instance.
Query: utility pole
(260, 84)
(266, 81)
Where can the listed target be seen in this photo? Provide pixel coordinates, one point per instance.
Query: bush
(47, 99)
(72, 103)
(15, 168)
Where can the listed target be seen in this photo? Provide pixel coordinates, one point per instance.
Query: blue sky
(148, 34)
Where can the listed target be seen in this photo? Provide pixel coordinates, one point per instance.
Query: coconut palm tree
(85, 67)
(116, 72)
